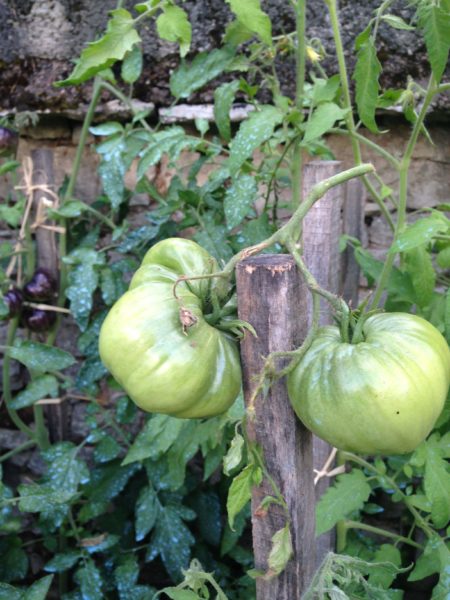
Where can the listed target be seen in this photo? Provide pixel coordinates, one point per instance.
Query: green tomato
(188, 371)
(379, 396)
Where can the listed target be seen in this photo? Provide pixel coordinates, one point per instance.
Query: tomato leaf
(281, 550)
(434, 21)
(63, 561)
(323, 119)
(39, 589)
(383, 577)
(159, 433)
(240, 491)
(223, 101)
(146, 512)
(250, 15)
(419, 233)
(173, 25)
(366, 74)
(348, 494)
(40, 357)
(206, 66)
(120, 37)
(41, 387)
(90, 581)
(132, 65)
(234, 455)
(397, 22)
(253, 132)
(419, 265)
(172, 540)
(239, 199)
(427, 564)
(437, 486)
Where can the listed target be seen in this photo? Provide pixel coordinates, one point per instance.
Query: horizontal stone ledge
(182, 113)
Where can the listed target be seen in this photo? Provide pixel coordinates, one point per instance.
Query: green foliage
(348, 494)
(132, 504)
(120, 37)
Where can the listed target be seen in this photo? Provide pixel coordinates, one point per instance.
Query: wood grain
(322, 227)
(272, 298)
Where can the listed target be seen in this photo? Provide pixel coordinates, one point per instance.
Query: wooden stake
(47, 257)
(272, 298)
(322, 227)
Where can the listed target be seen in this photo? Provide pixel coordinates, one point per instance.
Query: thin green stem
(96, 91)
(382, 532)
(300, 60)
(17, 450)
(41, 432)
(420, 521)
(125, 100)
(290, 231)
(370, 144)
(347, 103)
(403, 193)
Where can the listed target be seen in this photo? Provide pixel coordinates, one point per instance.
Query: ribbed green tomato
(187, 372)
(379, 396)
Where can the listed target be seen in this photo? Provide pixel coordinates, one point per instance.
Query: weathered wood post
(47, 256)
(322, 227)
(272, 297)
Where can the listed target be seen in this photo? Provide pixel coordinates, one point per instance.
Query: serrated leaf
(348, 494)
(132, 65)
(159, 433)
(146, 512)
(397, 22)
(173, 25)
(366, 74)
(223, 101)
(325, 90)
(383, 577)
(253, 132)
(240, 492)
(323, 119)
(14, 563)
(63, 561)
(172, 540)
(419, 265)
(83, 281)
(206, 66)
(239, 199)
(39, 589)
(108, 449)
(40, 357)
(105, 484)
(427, 564)
(435, 24)
(112, 171)
(90, 581)
(120, 37)
(70, 209)
(41, 387)
(249, 13)
(108, 128)
(419, 233)
(38, 498)
(437, 486)
(234, 455)
(281, 550)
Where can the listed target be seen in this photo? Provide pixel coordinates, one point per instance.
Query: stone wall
(39, 38)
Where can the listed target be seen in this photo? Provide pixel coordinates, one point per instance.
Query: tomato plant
(379, 394)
